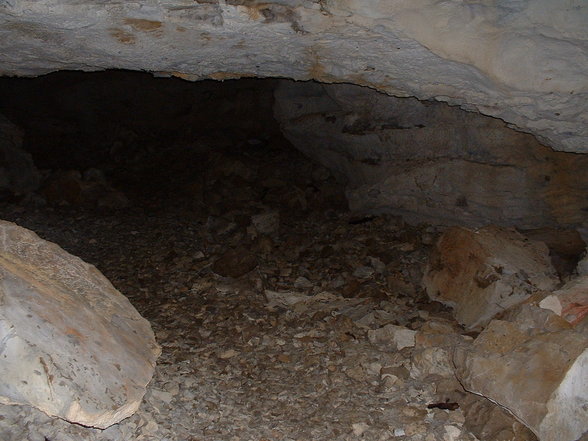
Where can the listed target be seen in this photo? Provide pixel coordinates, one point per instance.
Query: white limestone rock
(537, 375)
(522, 61)
(71, 345)
(482, 273)
(393, 337)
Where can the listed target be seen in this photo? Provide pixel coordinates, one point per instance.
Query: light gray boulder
(71, 345)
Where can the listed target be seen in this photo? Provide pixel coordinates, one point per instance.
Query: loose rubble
(280, 315)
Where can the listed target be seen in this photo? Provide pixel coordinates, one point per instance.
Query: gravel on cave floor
(278, 353)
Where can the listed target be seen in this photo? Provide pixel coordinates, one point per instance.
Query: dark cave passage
(293, 248)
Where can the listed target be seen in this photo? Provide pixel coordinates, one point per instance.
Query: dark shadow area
(107, 139)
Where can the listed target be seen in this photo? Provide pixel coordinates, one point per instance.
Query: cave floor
(278, 353)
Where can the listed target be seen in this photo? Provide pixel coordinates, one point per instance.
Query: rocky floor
(267, 298)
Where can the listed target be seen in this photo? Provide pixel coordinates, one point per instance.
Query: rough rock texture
(521, 61)
(570, 301)
(267, 355)
(540, 377)
(18, 174)
(482, 273)
(71, 344)
(431, 162)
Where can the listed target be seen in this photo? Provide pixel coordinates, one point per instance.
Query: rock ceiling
(525, 62)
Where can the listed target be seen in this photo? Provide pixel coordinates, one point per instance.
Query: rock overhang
(524, 62)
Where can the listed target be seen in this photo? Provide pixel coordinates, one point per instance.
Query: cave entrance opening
(282, 315)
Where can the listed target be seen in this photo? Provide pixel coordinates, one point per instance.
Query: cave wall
(523, 61)
(428, 161)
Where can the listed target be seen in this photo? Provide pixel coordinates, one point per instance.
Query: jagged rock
(540, 377)
(488, 421)
(570, 301)
(481, 273)
(392, 336)
(531, 317)
(72, 345)
(435, 343)
(18, 174)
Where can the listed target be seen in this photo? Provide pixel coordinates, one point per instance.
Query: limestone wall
(431, 162)
(522, 61)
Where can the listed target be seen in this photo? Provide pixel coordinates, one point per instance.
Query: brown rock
(488, 421)
(481, 273)
(539, 377)
(565, 246)
(235, 263)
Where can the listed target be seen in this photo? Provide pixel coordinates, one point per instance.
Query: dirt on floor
(262, 291)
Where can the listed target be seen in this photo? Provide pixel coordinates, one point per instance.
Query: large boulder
(71, 345)
(484, 272)
(538, 375)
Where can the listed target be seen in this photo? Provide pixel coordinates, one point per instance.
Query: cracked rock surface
(71, 345)
(521, 61)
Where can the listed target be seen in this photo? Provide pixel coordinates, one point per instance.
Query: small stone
(363, 272)
(266, 223)
(302, 283)
(228, 354)
(162, 395)
(431, 361)
(377, 265)
(284, 358)
(452, 433)
(399, 432)
(395, 337)
(552, 303)
(359, 428)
